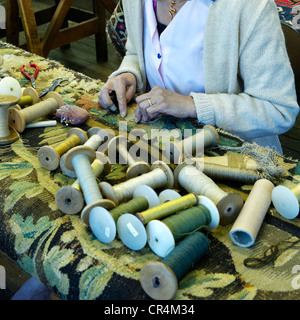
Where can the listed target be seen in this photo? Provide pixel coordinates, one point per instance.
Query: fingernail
(123, 114)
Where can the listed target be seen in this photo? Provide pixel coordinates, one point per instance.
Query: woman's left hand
(162, 101)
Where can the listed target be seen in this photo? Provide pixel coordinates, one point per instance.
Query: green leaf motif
(20, 189)
(15, 170)
(93, 282)
(56, 259)
(26, 231)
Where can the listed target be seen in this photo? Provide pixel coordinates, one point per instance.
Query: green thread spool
(101, 220)
(163, 235)
(160, 279)
(131, 228)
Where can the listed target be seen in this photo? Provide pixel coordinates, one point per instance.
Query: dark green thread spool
(160, 279)
(163, 234)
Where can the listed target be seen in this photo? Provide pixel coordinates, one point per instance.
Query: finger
(104, 98)
(143, 106)
(121, 97)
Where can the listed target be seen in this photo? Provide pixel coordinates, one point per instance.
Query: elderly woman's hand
(162, 101)
(124, 86)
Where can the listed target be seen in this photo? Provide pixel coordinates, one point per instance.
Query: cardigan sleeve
(266, 104)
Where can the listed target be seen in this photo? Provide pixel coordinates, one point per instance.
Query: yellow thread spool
(96, 138)
(208, 136)
(29, 97)
(160, 175)
(135, 168)
(193, 180)
(19, 118)
(286, 200)
(168, 208)
(7, 135)
(49, 157)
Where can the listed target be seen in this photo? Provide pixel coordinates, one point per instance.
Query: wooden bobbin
(286, 200)
(208, 136)
(111, 192)
(91, 155)
(7, 134)
(29, 97)
(49, 157)
(159, 279)
(136, 168)
(69, 199)
(229, 206)
(92, 133)
(19, 118)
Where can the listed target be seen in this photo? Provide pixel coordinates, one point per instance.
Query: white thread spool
(29, 97)
(286, 200)
(193, 180)
(94, 142)
(102, 220)
(246, 227)
(49, 156)
(159, 176)
(7, 135)
(19, 118)
(79, 159)
(160, 238)
(136, 168)
(131, 228)
(70, 199)
(208, 136)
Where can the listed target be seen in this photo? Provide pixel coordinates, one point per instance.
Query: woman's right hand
(124, 86)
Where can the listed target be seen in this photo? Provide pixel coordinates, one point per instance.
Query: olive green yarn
(187, 254)
(132, 206)
(187, 221)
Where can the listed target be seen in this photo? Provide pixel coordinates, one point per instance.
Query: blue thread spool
(160, 279)
(163, 235)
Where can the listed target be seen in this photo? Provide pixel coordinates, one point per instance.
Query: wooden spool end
(214, 134)
(49, 158)
(57, 97)
(32, 93)
(69, 200)
(105, 160)
(16, 119)
(158, 281)
(108, 192)
(103, 203)
(82, 135)
(229, 208)
(137, 169)
(89, 152)
(167, 171)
